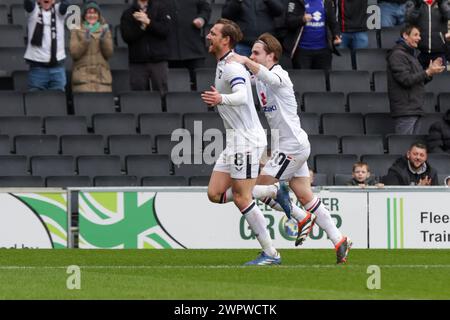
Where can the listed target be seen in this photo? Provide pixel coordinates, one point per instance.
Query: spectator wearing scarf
(90, 47)
(45, 51)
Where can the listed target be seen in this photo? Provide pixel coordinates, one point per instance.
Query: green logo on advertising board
(120, 220)
(52, 209)
(395, 223)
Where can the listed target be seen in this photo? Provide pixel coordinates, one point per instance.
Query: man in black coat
(438, 139)
(145, 28)
(187, 45)
(412, 169)
(406, 80)
(254, 18)
(431, 17)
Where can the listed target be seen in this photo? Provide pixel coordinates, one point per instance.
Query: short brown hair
(360, 164)
(232, 30)
(271, 45)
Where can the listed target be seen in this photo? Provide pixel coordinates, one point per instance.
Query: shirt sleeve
(273, 78)
(236, 75)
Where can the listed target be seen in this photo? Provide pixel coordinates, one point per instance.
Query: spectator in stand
(91, 46)
(352, 16)
(313, 33)
(254, 17)
(392, 12)
(438, 139)
(431, 17)
(187, 46)
(447, 181)
(412, 169)
(362, 177)
(145, 28)
(406, 81)
(45, 51)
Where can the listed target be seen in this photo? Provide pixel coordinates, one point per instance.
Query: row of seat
(161, 165)
(125, 144)
(339, 124)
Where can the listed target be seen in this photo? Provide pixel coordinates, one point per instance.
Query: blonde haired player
(289, 161)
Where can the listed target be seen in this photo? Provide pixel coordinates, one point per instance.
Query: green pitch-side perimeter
(218, 274)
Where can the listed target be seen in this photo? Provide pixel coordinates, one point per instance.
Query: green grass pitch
(219, 274)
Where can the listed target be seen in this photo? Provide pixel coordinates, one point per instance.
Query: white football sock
(324, 219)
(258, 224)
(297, 213)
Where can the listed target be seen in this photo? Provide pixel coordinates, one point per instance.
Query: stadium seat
(120, 43)
(13, 165)
(380, 81)
(370, 59)
(320, 179)
(216, 12)
(322, 144)
(199, 181)
(119, 59)
(340, 124)
(205, 78)
(349, 81)
(444, 102)
(310, 122)
(17, 125)
(11, 103)
(341, 179)
(18, 15)
(88, 104)
(99, 165)
(164, 144)
(399, 144)
(440, 162)
(45, 103)
(21, 182)
(379, 164)
(360, 145)
(439, 84)
(170, 181)
(189, 170)
(67, 181)
(156, 124)
(389, 36)
(11, 59)
(368, 102)
(5, 145)
(379, 123)
(56, 165)
(324, 102)
(120, 81)
(137, 102)
(429, 105)
(12, 36)
(114, 123)
(113, 12)
(82, 145)
(179, 80)
(3, 14)
(116, 181)
(373, 39)
(334, 163)
(308, 80)
(342, 62)
(182, 102)
(209, 120)
(425, 122)
(30, 145)
(123, 145)
(20, 81)
(148, 165)
(65, 125)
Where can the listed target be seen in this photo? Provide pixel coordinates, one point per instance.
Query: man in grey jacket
(406, 80)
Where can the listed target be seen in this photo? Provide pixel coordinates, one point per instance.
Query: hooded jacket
(401, 175)
(438, 139)
(406, 81)
(254, 17)
(151, 44)
(432, 23)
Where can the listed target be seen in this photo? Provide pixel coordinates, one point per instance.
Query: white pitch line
(330, 266)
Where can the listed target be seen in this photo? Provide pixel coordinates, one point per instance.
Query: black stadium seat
(148, 165)
(137, 102)
(65, 125)
(11, 103)
(182, 102)
(11, 36)
(30, 145)
(13, 165)
(349, 81)
(379, 123)
(114, 123)
(341, 124)
(322, 144)
(399, 144)
(82, 145)
(45, 103)
(360, 145)
(335, 163)
(21, 182)
(379, 164)
(324, 102)
(370, 59)
(156, 124)
(100, 165)
(163, 181)
(368, 102)
(52, 165)
(315, 81)
(67, 181)
(310, 122)
(116, 181)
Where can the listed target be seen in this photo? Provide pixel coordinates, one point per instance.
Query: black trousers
(312, 59)
(156, 73)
